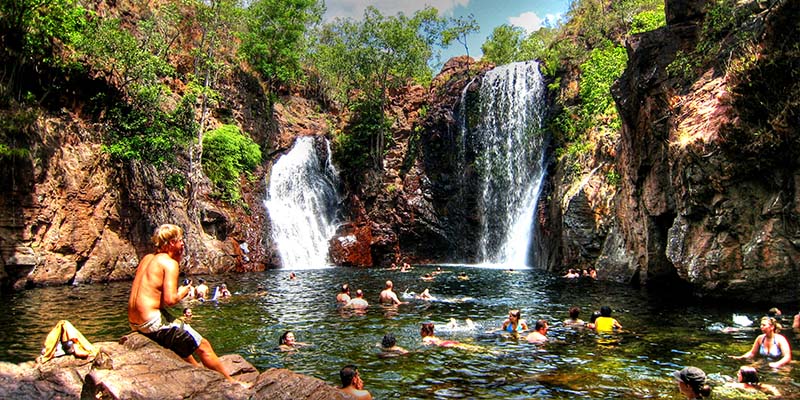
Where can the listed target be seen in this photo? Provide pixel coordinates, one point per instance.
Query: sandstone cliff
(705, 196)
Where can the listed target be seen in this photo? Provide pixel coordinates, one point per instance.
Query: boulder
(138, 368)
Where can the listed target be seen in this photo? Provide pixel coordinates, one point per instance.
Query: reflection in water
(659, 337)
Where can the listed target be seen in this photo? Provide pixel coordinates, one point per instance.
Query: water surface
(661, 335)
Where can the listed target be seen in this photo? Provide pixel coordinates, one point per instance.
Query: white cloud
(355, 8)
(532, 22)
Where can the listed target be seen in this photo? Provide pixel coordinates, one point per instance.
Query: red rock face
(352, 247)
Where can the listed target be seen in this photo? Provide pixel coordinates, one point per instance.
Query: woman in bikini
(514, 324)
(770, 344)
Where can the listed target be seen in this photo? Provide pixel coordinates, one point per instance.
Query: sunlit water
(660, 335)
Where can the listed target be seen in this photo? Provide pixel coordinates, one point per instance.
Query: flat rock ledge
(138, 368)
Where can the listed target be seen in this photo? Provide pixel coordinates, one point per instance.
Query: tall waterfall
(509, 133)
(302, 203)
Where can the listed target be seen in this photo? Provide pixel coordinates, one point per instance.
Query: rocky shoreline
(138, 368)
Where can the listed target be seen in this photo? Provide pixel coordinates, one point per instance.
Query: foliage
(352, 147)
(229, 154)
(140, 132)
(605, 64)
(124, 59)
(648, 20)
(360, 61)
(33, 29)
(459, 30)
(274, 40)
(501, 47)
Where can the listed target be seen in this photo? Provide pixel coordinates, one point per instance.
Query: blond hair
(165, 234)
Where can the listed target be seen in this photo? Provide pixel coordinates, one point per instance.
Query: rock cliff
(705, 196)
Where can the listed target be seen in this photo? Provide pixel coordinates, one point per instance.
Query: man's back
(388, 296)
(146, 291)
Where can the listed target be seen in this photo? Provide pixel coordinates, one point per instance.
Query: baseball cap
(690, 375)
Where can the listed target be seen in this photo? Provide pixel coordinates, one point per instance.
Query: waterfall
(302, 202)
(511, 141)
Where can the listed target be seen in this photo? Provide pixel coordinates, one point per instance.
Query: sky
(527, 14)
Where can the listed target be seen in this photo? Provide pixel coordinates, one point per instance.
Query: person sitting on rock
(352, 383)
(154, 288)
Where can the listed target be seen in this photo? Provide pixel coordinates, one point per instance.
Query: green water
(662, 333)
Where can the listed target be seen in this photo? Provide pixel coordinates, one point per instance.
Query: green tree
(37, 32)
(502, 46)
(274, 40)
(365, 59)
(459, 29)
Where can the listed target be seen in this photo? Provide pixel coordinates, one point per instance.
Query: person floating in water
(287, 342)
(389, 347)
(770, 344)
(425, 295)
(428, 338)
(154, 288)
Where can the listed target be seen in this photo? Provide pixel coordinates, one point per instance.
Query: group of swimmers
(200, 292)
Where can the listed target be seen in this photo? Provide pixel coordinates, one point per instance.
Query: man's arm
(171, 292)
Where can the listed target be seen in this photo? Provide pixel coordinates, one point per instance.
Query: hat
(691, 376)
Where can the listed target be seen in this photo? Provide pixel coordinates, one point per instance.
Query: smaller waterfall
(302, 203)
(512, 99)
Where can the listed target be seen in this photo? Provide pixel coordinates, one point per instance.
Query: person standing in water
(154, 288)
(352, 383)
(514, 323)
(770, 344)
(388, 296)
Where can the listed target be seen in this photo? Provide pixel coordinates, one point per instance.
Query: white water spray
(512, 102)
(302, 203)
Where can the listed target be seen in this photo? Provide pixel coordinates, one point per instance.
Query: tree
(502, 46)
(459, 30)
(274, 41)
(365, 59)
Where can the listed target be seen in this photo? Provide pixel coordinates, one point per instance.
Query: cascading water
(302, 203)
(511, 140)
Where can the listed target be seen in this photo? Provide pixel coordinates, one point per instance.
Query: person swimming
(514, 324)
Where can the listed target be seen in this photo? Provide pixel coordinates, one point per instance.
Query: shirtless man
(358, 301)
(388, 296)
(352, 383)
(344, 295)
(539, 334)
(155, 287)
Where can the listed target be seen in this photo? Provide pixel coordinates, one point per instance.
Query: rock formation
(138, 368)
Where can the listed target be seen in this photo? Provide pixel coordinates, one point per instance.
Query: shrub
(227, 154)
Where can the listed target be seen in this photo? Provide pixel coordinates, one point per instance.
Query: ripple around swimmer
(661, 335)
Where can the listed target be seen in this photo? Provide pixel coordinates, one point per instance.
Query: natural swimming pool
(662, 332)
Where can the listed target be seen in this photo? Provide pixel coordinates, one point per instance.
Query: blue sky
(528, 14)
